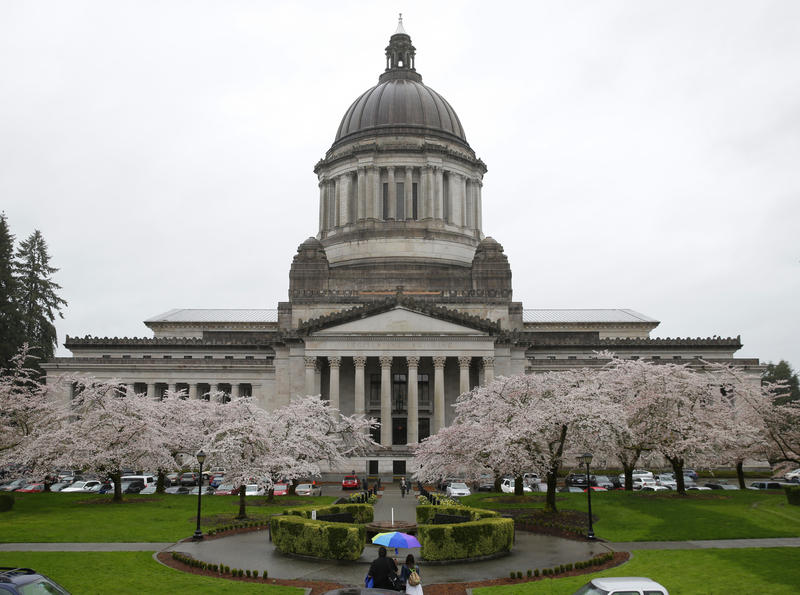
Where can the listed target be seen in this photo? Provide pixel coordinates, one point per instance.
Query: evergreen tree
(11, 336)
(782, 371)
(37, 295)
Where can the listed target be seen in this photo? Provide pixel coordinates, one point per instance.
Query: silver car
(628, 585)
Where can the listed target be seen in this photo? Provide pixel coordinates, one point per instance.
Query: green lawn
(660, 516)
(775, 571)
(88, 573)
(94, 518)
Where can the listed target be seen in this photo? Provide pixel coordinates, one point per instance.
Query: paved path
(626, 546)
(405, 509)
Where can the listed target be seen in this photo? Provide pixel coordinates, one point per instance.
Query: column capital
(464, 360)
(360, 360)
(488, 361)
(386, 361)
(413, 361)
(310, 362)
(334, 361)
(438, 361)
(390, 168)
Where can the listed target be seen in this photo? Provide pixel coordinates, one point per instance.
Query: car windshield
(458, 486)
(590, 589)
(303, 486)
(280, 486)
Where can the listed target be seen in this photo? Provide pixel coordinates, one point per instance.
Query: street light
(198, 534)
(586, 459)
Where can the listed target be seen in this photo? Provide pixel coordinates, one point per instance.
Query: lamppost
(586, 459)
(198, 534)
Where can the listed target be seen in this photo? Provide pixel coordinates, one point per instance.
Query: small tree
(11, 335)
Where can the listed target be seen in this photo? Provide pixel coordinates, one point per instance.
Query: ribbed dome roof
(400, 103)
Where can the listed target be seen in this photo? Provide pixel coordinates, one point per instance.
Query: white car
(308, 489)
(628, 585)
(83, 486)
(792, 475)
(638, 473)
(250, 489)
(507, 486)
(642, 482)
(667, 480)
(457, 490)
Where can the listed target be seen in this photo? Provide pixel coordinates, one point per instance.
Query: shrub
(562, 568)
(512, 574)
(292, 533)
(266, 574)
(792, 495)
(248, 573)
(362, 513)
(465, 540)
(530, 573)
(536, 572)
(519, 574)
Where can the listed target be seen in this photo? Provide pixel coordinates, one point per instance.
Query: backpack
(413, 578)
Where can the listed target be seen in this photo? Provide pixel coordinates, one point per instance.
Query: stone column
(358, 390)
(478, 206)
(130, 389)
(213, 389)
(463, 373)
(193, 391)
(377, 195)
(456, 203)
(392, 212)
(343, 198)
(311, 368)
(408, 185)
(151, 390)
(322, 205)
(438, 393)
(234, 390)
(333, 389)
(412, 437)
(425, 199)
(488, 370)
(386, 400)
(438, 193)
(361, 194)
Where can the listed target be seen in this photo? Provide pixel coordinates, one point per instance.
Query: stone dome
(400, 105)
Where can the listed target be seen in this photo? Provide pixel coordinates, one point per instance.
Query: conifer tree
(11, 336)
(37, 295)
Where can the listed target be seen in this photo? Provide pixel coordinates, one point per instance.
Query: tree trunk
(519, 488)
(116, 477)
(552, 480)
(628, 469)
(677, 468)
(497, 481)
(271, 495)
(740, 474)
(161, 481)
(242, 503)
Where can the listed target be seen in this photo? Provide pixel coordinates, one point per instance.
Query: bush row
(296, 534)
(6, 502)
(426, 512)
(485, 534)
(562, 568)
(262, 524)
(221, 569)
(792, 495)
(362, 513)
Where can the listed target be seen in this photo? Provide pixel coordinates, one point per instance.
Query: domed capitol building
(397, 305)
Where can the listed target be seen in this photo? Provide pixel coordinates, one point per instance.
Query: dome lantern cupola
(400, 56)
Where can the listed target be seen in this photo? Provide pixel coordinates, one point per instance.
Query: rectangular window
(106, 357)
(187, 357)
(375, 391)
(414, 202)
(373, 468)
(385, 200)
(401, 200)
(167, 357)
(228, 357)
(208, 357)
(126, 357)
(399, 467)
(375, 433)
(424, 428)
(145, 357)
(424, 391)
(249, 357)
(399, 393)
(676, 357)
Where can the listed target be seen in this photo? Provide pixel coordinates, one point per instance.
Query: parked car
(792, 476)
(653, 488)
(595, 489)
(189, 479)
(530, 478)
(641, 482)
(133, 487)
(508, 484)
(151, 489)
(667, 480)
(280, 489)
(216, 480)
(31, 488)
(457, 490)
(572, 489)
(719, 485)
(308, 489)
(145, 479)
(20, 581)
(485, 483)
(57, 487)
(88, 486)
(602, 481)
(251, 489)
(207, 491)
(691, 473)
(226, 489)
(629, 585)
(351, 482)
(697, 488)
(576, 479)
(172, 479)
(637, 473)
(12, 486)
(178, 490)
(765, 485)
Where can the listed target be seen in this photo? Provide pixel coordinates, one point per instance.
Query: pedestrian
(403, 487)
(383, 571)
(409, 574)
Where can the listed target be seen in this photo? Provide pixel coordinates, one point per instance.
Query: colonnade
(227, 390)
(386, 361)
(400, 193)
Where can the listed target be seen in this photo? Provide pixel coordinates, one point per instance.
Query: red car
(350, 482)
(32, 488)
(280, 489)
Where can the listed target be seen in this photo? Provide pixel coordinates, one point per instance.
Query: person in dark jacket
(382, 570)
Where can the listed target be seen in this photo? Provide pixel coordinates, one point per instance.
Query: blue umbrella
(396, 540)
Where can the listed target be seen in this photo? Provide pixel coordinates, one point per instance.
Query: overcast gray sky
(641, 155)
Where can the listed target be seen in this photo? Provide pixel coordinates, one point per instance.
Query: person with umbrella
(409, 574)
(383, 571)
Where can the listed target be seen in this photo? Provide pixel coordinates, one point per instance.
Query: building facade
(397, 305)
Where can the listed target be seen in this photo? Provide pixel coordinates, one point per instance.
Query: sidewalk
(626, 546)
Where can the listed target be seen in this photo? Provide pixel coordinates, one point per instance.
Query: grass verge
(688, 572)
(94, 518)
(101, 573)
(666, 516)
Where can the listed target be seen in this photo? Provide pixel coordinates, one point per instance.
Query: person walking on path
(382, 570)
(403, 487)
(409, 574)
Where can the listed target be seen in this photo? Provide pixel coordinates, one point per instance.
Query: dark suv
(576, 479)
(25, 580)
(189, 479)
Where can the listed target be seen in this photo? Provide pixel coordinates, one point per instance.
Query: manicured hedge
(486, 534)
(6, 502)
(296, 534)
(793, 495)
(362, 513)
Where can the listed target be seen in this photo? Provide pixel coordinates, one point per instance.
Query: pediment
(399, 321)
